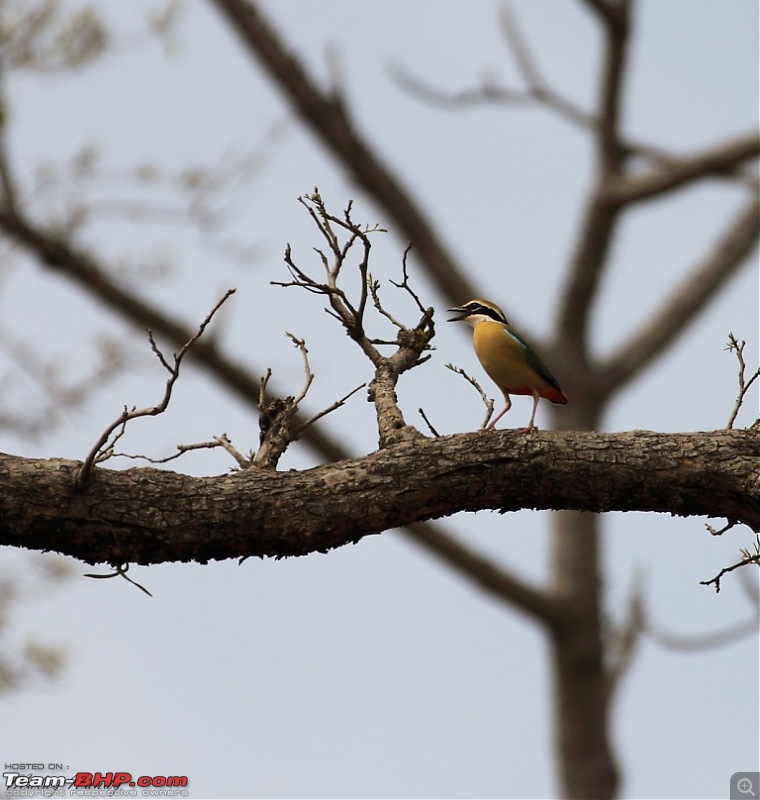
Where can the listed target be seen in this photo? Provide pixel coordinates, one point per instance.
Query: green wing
(533, 359)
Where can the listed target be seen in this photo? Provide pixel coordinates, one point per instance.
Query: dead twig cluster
(344, 238)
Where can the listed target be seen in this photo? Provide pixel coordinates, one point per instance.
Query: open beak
(462, 313)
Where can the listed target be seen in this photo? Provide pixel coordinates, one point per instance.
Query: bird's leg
(491, 425)
(531, 424)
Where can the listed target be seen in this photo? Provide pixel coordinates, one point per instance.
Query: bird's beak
(462, 313)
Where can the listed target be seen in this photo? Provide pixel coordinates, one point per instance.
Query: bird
(509, 360)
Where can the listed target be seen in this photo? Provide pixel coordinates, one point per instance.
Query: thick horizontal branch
(150, 516)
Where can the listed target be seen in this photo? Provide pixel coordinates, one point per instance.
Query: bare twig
(374, 290)
(405, 280)
(102, 449)
(744, 385)
(121, 572)
(422, 413)
(301, 345)
(748, 559)
(487, 401)
(337, 404)
(181, 450)
(276, 420)
(241, 460)
(720, 531)
(350, 315)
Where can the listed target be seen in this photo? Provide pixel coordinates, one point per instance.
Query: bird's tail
(555, 395)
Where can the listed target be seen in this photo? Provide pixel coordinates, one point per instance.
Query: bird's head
(473, 312)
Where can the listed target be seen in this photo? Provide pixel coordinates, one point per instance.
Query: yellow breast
(504, 359)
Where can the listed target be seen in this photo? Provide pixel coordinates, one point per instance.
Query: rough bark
(149, 516)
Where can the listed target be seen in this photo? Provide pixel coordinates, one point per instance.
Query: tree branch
(84, 270)
(702, 641)
(617, 18)
(410, 343)
(737, 347)
(326, 115)
(686, 302)
(539, 92)
(482, 572)
(604, 10)
(679, 172)
(151, 516)
(103, 449)
(745, 562)
(602, 214)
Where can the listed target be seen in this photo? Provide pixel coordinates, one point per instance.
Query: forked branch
(103, 448)
(749, 558)
(737, 347)
(277, 416)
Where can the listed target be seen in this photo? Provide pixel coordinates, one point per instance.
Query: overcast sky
(373, 671)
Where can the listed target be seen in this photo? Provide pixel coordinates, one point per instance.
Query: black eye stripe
(486, 311)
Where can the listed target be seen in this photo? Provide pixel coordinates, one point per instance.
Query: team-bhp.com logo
(93, 784)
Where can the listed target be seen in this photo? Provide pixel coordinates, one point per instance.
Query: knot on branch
(278, 421)
(273, 413)
(275, 430)
(415, 341)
